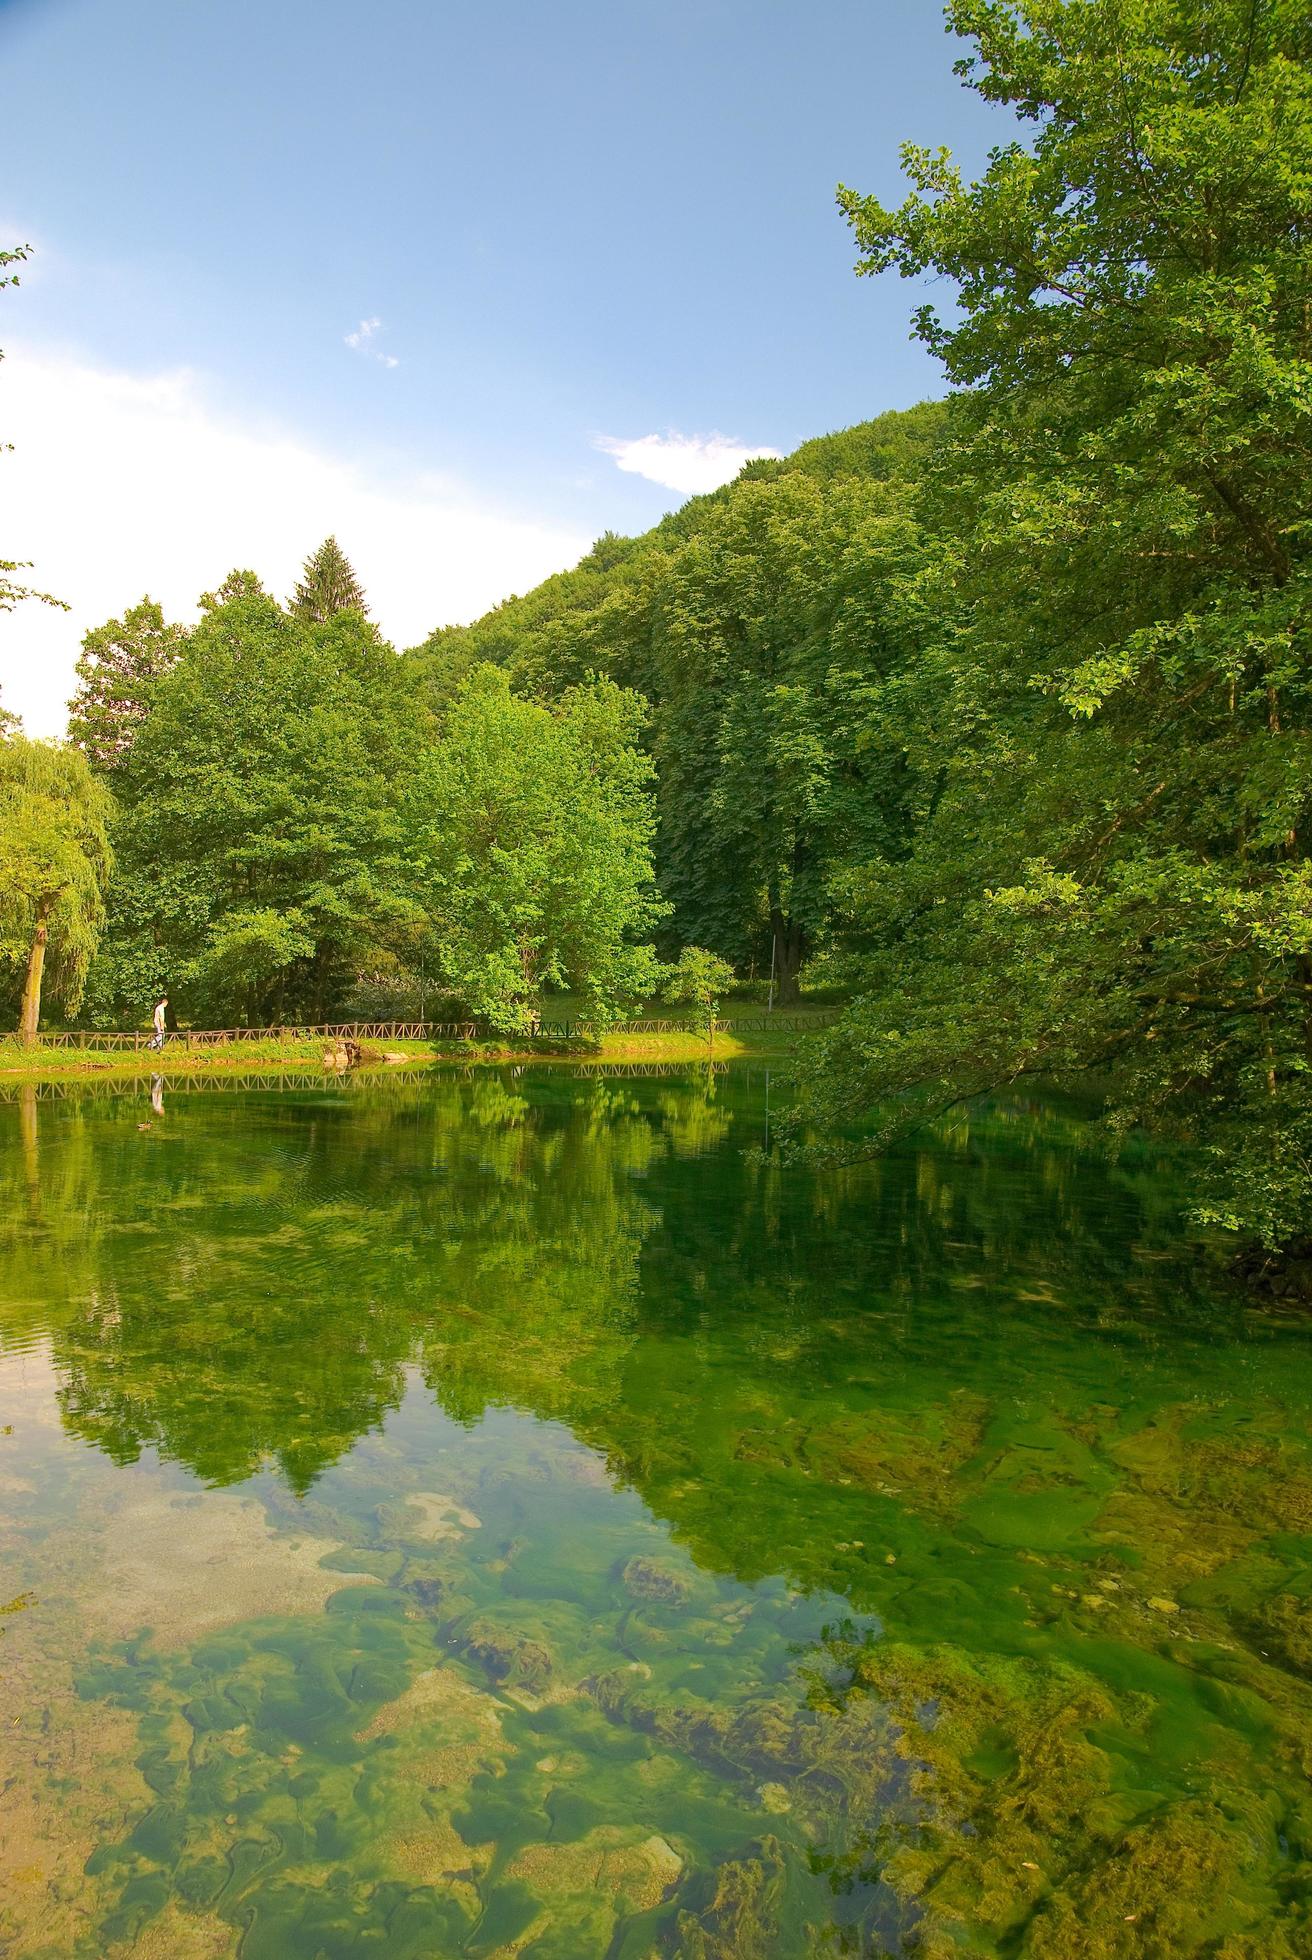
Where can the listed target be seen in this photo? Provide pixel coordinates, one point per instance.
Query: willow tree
(55, 860)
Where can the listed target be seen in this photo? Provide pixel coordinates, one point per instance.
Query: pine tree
(328, 586)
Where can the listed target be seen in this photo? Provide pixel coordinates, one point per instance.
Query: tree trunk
(27, 1126)
(30, 1017)
(789, 952)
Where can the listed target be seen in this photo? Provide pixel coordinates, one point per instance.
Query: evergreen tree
(329, 585)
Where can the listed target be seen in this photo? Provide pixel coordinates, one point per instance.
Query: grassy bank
(280, 1054)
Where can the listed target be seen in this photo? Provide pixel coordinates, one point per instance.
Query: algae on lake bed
(504, 1516)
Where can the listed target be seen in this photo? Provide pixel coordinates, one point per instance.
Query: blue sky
(574, 224)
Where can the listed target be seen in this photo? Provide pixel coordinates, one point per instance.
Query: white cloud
(692, 464)
(361, 340)
(121, 484)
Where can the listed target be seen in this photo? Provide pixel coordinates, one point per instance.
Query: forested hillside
(755, 623)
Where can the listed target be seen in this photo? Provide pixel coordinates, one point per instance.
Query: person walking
(157, 1039)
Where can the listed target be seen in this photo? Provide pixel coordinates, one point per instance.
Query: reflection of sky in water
(561, 1532)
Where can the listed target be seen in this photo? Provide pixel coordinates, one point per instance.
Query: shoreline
(19, 1067)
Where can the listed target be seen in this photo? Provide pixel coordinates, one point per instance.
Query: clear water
(502, 1514)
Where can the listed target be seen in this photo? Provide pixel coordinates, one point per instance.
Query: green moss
(740, 1919)
(1029, 1830)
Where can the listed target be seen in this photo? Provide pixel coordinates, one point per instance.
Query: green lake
(506, 1513)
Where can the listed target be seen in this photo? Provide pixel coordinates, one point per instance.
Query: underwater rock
(646, 1578)
(583, 1468)
(436, 1854)
(571, 1898)
(911, 1457)
(444, 1734)
(697, 1728)
(437, 1694)
(429, 1591)
(441, 1518)
(511, 1659)
(633, 1874)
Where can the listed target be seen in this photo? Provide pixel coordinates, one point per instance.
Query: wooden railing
(134, 1040)
(139, 1038)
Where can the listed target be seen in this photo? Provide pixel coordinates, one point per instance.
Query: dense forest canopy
(291, 818)
(755, 621)
(992, 714)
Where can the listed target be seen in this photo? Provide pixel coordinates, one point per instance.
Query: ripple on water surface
(506, 1515)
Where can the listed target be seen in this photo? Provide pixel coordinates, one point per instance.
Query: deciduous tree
(531, 833)
(119, 665)
(259, 832)
(697, 980)
(1113, 872)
